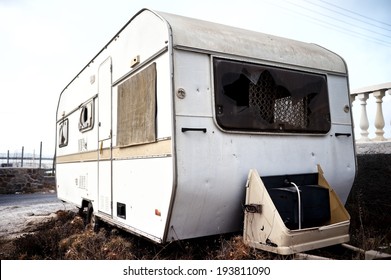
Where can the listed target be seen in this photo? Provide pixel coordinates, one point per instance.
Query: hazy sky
(44, 44)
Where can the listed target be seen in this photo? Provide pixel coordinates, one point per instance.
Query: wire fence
(26, 160)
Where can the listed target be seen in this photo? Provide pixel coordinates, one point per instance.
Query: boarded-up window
(137, 108)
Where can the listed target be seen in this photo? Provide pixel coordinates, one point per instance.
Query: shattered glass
(253, 97)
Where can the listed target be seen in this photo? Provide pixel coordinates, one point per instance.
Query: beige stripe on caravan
(156, 149)
(160, 148)
(79, 157)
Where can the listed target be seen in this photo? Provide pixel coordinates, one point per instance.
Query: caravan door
(104, 138)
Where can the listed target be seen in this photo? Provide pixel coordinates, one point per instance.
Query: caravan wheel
(91, 218)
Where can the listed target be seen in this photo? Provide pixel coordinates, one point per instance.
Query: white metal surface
(145, 186)
(142, 182)
(191, 182)
(104, 198)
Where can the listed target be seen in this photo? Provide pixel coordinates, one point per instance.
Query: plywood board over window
(137, 108)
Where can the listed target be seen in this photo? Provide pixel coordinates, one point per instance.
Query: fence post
(40, 155)
(21, 161)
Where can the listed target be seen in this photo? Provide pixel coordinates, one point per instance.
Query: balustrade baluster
(378, 92)
(364, 124)
(379, 119)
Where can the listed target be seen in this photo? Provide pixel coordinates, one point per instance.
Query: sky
(45, 43)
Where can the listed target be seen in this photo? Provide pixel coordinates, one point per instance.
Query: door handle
(343, 134)
(184, 129)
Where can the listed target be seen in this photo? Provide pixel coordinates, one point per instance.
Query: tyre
(91, 218)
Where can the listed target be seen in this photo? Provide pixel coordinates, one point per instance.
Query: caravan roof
(217, 38)
(210, 37)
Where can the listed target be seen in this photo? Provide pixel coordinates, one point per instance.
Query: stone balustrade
(362, 95)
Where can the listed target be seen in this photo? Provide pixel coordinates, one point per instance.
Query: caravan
(157, 134)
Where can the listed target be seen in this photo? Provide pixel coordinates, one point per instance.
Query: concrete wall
(365, 148)
(25, 180)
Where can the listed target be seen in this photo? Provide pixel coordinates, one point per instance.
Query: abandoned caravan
(180, 128)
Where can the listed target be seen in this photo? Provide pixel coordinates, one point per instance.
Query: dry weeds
(65, 237)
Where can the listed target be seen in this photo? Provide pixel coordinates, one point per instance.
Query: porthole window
(63, 133)
(86, 120)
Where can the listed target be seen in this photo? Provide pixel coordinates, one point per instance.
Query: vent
(83, 182)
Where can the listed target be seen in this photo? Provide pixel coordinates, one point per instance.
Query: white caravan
(158, 132)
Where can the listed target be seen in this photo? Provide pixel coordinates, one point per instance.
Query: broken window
(251, 97)
(63, 133)
(86, 120)
(137, 108)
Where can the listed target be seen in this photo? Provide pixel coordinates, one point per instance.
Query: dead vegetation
(65, 237)
(369, 203)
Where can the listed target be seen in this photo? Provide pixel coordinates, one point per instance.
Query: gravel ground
(21, 217)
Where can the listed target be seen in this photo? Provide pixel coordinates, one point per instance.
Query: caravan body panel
(130, 180)
(142, 134)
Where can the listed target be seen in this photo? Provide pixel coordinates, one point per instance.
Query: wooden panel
(137, 108)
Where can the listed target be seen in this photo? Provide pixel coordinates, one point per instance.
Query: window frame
(86, 125)
(137, 108)
(275, 67)
(63, 123)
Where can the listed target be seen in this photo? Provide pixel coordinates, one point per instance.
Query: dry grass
(43, 241)
(65, 237)
(369, 203)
